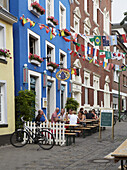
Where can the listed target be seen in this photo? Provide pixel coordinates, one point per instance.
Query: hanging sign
(62, 75)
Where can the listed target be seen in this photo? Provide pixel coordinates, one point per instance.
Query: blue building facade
(33, 35)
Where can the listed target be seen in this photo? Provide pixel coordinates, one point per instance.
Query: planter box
(35, 12)
(50, 68)
(50, 24)
(35, 62)
(3, 59)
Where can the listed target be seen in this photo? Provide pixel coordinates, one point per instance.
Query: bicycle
(44, 138)
(123, 117)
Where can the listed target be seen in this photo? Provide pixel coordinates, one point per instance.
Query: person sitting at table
(68, 114)
(41, 117)
(81, 117)
(90, 115)
(62, 114)
(55, 115)
(95, 115)
(73, 118)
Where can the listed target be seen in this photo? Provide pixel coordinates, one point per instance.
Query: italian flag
(102, 54)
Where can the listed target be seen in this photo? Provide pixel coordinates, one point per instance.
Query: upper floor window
(116, 76)
(86, 6)
(49, 8)
(95, 10)
(2, 36)
(50, 52)
(30, 2)
(33, 43)
(106, 22)
(76, 24)
(63, 59)
(5, 4)
(62, 14)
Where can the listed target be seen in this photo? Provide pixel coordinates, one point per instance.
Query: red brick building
(92, 87)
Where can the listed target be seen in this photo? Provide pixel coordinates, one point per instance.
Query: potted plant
(4, 53)
(35, 59)
(37, 9)
(52, 22)
(52, 66)
(66, 32)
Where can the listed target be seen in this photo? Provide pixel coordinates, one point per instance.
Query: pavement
(86, 154)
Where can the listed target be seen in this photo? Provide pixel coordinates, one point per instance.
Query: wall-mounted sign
(44, 102)
(62, 75)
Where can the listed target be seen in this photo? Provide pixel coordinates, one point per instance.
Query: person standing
(55, 115)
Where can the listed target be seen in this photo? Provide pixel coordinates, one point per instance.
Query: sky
(118, 9)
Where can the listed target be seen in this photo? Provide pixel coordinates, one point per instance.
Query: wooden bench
(84, 130)
(68, 138)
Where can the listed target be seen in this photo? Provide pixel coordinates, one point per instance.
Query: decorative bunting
(102, 54)
(97, 40)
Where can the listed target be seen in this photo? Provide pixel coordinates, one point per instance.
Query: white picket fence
(58, 130)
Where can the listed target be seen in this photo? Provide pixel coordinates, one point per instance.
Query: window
(49, 8)
(87, 84)
(116, 76)
(33, 43)
(106, 96)
(34, 83)
(3, 103)
(124, 80)
(62, 14)
(95, 7)
(31, 1)
(63, 59)
(106, 22)
(86, 32)
(85, 5)
(5, 4)
(76, 24)
(50, 52)
(96, 87)
(2, 36)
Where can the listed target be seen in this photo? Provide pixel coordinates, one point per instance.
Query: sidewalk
(87, 153)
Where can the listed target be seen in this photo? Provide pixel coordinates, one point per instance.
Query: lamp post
(119, 92)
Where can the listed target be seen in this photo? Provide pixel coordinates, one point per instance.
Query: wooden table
(121, 153)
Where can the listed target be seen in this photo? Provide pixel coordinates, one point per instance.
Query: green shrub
(71, 103)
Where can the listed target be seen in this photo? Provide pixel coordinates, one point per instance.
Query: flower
(51, 18)
(5, 53)
(54, 65)
(35, 57)
(38, 7)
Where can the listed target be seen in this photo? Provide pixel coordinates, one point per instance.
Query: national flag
(123, 55)
(82, 47)
(91, 38)
(119, 56)
(100, 62)
(104, 64)
(91, 60)
(71, 52)
(97, 40)
(83, 57)
(124, 38)
(79, 55)
(105, 41)
(102, 54)
(120, 38)
(112, 66)
(96, 62)
(114, 55)
(113, 40)
(108, 54)
(89, 50)
(77, 46)
(75, 54)
(108, 66)
(124, 68)
(116, 67)
(95, 52)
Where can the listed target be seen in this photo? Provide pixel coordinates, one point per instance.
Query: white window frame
(3, 85)
(85, 6)
(51, 10)
(106, 22)
(65, 58)
(86, 31)
(116, 76)
(3, 33)
(64, 15)
(106, 96)
(37, 43)
(96, 86)
(95, 7)
(37, 87)
(29, 3)
(47, 43)
(76, 19)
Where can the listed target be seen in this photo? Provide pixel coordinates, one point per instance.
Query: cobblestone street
(86, 154)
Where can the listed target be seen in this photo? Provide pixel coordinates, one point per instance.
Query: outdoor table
(121, 153)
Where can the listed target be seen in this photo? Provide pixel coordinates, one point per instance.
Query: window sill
(34, 12)
(124, 85)
(96, 65)
(3, 125)
(115, 81)
(35, 62)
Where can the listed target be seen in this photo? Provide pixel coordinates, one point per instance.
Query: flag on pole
(97, 40)
(113, 40)
(102, 54)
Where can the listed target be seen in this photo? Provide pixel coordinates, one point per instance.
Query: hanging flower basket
(35, 59)
(52, 22)
(4, 54)
(52, 66)
(37, 9)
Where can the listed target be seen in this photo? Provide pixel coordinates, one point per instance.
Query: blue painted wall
(20, 7)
